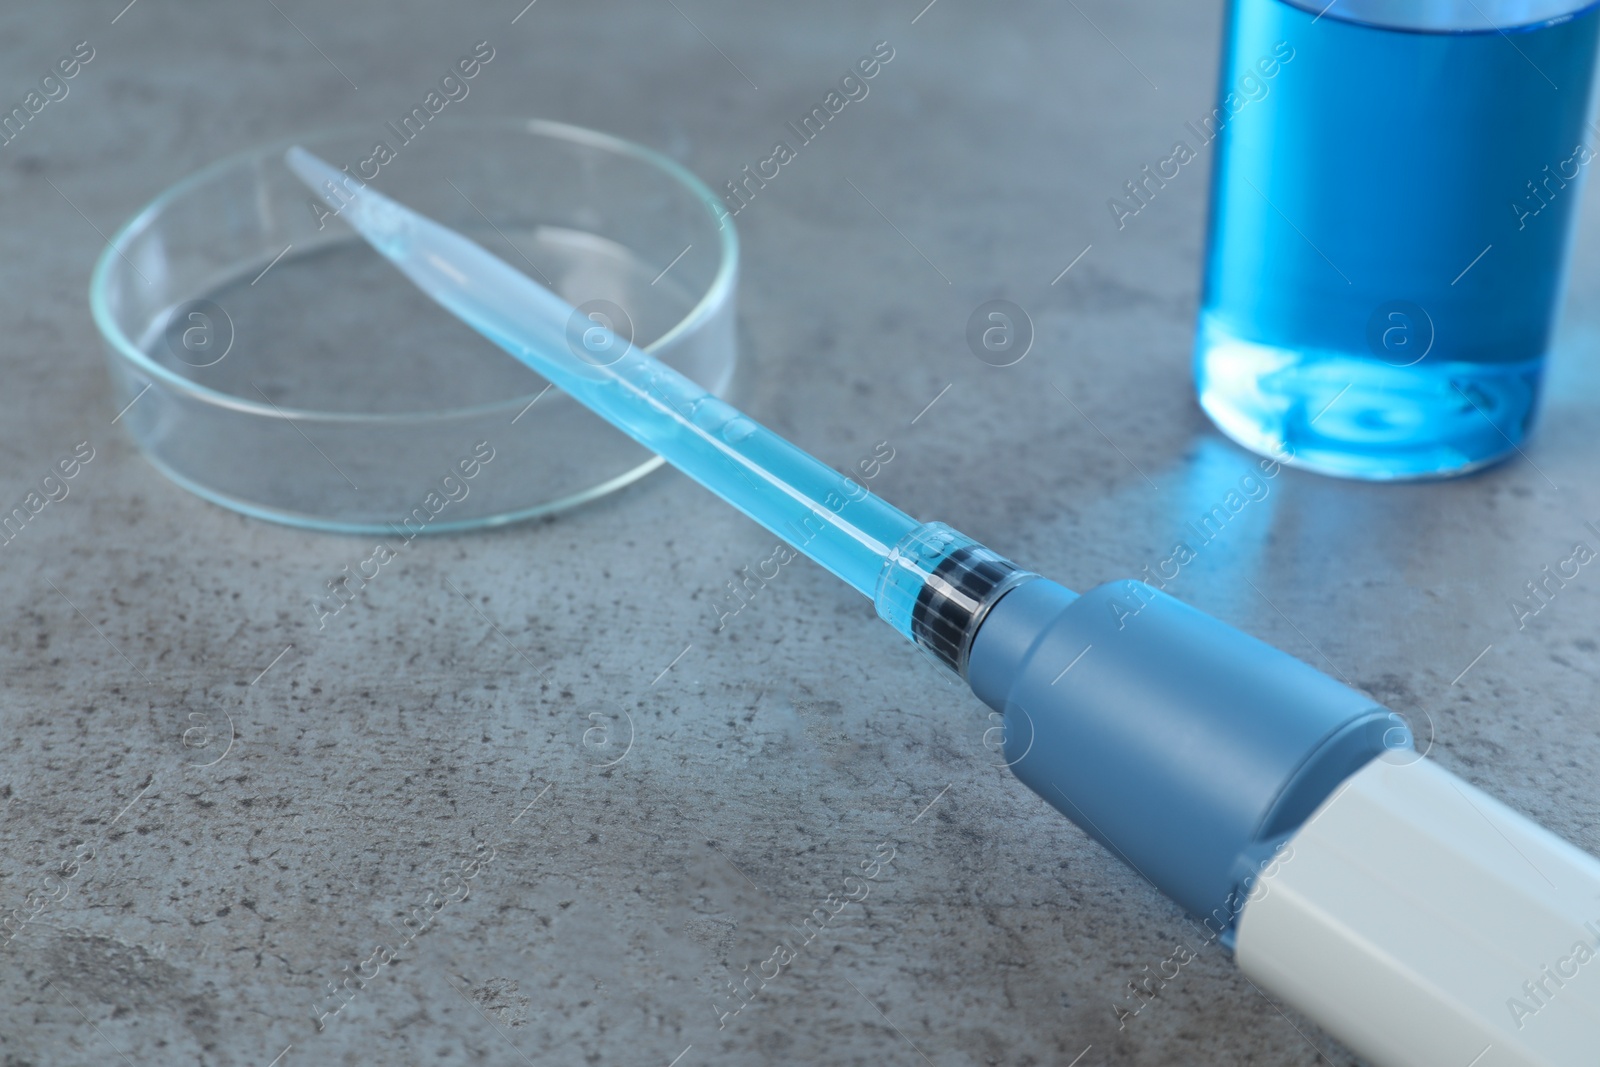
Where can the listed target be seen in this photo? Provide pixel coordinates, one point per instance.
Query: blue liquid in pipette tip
(1388, 237)
(826, 515)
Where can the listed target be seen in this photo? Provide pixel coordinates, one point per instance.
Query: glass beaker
(1392, 194)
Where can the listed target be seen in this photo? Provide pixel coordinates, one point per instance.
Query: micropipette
(1416, 917)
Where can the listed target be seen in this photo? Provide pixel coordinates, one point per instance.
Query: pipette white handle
(1425, 922)
(1421, 921)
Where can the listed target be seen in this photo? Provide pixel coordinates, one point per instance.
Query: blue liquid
(1352, 319)
(826, 515)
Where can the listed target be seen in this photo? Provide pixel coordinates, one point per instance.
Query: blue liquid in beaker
(1389, 226)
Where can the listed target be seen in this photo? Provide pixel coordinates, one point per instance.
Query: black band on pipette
(959, 592)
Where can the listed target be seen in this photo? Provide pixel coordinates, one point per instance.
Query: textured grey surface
(212, 904)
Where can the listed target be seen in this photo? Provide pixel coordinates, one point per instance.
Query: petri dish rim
(716, 295)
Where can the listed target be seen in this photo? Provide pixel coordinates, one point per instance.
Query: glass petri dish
(265, 359)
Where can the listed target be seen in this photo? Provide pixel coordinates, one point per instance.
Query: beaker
(1393, 192)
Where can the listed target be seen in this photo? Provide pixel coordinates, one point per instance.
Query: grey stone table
(434, 743)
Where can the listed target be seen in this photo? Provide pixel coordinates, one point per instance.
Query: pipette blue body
(1407, 911)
